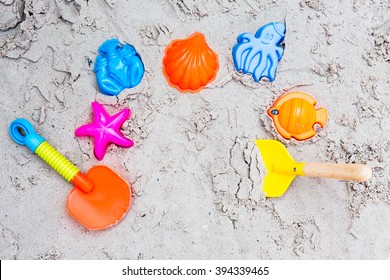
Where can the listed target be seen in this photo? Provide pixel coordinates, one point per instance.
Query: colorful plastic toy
(190, 64)
(99, 199)
(281, 169)
(294, 115)
(260, 54)
(117, 67)
(105, 129)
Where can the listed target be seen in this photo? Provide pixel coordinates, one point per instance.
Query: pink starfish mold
(105, 129)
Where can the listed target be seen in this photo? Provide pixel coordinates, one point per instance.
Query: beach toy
(105, 129)
(118, 66)
(99, 199)
(281, 169)
(189, 64)
(294, 115)
(259, 55)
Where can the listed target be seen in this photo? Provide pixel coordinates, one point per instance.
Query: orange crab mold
(190, 64)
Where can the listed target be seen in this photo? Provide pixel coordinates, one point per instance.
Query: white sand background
(195, 172)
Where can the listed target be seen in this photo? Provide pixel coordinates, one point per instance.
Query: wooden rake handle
(354, 172)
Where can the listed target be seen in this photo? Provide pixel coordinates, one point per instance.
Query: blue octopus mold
(259, 55)
(118, 66)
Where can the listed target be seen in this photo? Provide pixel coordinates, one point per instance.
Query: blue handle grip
(23, 133)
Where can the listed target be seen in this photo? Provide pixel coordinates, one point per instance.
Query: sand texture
(196, 174)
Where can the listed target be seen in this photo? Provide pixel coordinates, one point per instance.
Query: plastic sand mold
(259, 55)
(190, 64)
(281, 169)
(99, 199)
(294, 115)
(105, 129)
(117, 67)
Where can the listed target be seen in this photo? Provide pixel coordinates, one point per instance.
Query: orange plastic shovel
(99, 199)
(282, 168)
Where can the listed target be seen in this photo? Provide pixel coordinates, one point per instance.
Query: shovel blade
(106, 205)
(280, 167)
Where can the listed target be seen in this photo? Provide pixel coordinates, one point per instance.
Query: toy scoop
(281, 169)
(99, 199)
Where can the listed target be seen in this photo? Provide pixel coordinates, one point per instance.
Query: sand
(196, 175)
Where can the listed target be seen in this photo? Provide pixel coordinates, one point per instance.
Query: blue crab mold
(118, 66)
(259, 55)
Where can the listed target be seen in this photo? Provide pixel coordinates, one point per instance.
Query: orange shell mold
(294, 115)
(190, 64)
